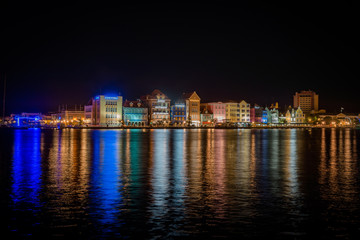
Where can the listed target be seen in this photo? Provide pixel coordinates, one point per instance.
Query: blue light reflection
(26, 171)
(106, 187)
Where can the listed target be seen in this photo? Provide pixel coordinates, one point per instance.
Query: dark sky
(259, 52)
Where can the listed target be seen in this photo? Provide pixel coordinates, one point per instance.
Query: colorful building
(265, 116)
(232, 110)
(206, 117)
(218, 109)
(178, 113)
(244, 113)
(104, 111)
(26, 120)
(159, 107)
(192, 102)
(295, 116)
(274, 116)
(256, 114)
(135, 113)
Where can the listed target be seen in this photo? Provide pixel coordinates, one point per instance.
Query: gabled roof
(206, 111)
(156, 92)
(153, 95)
(192, 95)
(135, 103)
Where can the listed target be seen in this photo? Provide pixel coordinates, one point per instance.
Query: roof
(153, 95)
(206, 111)
(190, 95)
(135, 103)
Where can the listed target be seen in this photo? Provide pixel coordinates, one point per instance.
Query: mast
(4, 95)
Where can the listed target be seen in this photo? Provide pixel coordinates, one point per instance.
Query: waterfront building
(295, 116)
(244, 112)
(274, 116)
(308, 101)
(104, 111)
(178, 113)
(339, 119)
(89, 114)
(232, 110)
(218, 109)
(46, 120)
(270, 116)
(256, 113)
(135, 113)
(192, 102)
(69, 117)
(159, 107)
(26, 119)
(206, 117)
(266, 116)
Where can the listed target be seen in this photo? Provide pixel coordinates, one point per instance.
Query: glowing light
(111, 98)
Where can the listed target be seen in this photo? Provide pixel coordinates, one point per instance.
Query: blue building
(178, 113)
(265, 116)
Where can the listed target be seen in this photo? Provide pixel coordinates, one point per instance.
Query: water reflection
(291, 167)
(27, 169)
(106, 196)
(183, 183)
(26, 181)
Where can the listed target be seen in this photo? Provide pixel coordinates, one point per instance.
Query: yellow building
(237, 112)
(104, 111)
(232, 110)
(192, 102)
(295, 116)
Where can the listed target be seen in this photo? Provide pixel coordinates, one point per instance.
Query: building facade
(206, 117)
(340, 119)
(26, 119)
(256, 114)
(178, 113)
(104, 111)
(232, 111)
(192, 102)
(158, 106)
(295, 116)
(69, 117)
(274, 116)
(307, 100)
(135, 113)
(218, 109)
(244, 109)
(89, 114)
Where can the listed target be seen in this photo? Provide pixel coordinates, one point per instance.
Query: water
(178, 184)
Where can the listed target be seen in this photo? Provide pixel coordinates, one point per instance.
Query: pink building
(218, 109)
(256, 114)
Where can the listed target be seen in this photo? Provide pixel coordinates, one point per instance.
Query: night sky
(258, 52)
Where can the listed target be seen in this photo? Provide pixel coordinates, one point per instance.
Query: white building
(244, 112)
(104, 111)
(159, 107)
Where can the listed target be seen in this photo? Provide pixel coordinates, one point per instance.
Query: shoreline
(148, 127)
